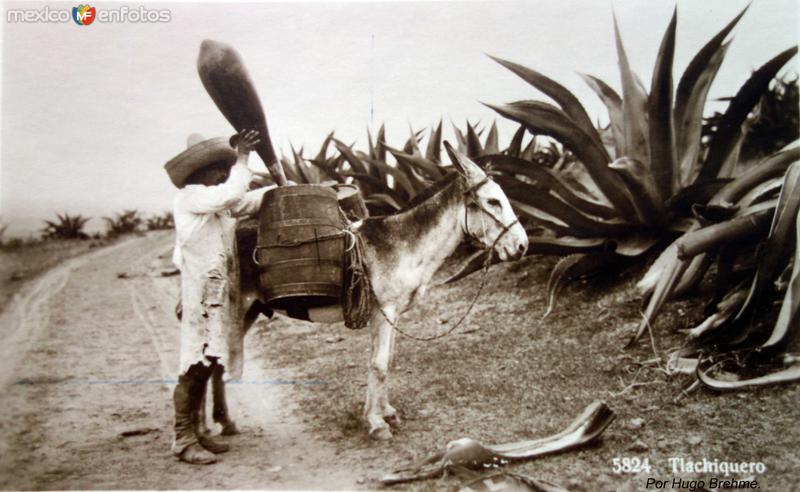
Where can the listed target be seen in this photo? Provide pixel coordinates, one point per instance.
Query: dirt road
(89, 361)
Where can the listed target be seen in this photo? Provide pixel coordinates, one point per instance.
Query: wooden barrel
(351, 202)
(300, 249)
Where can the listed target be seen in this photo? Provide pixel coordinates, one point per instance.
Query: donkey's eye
(494, 202)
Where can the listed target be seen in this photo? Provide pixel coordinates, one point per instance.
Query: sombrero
(199, 154)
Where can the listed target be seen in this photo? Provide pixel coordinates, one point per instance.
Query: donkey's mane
(421, 214)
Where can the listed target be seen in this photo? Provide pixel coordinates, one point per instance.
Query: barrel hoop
(300, 242)
(279, 224)
(300, 262)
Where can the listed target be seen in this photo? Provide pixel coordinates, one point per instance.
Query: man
(213, 181)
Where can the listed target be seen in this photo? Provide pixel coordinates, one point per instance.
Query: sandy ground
(88, 356)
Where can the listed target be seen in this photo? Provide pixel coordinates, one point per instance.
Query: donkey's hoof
(381, 434)
(229, 429)
(392, 417)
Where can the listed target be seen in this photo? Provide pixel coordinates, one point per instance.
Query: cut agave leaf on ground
(471, 454)
(787, 375)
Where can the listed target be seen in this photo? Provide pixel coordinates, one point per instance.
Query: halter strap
(471, 193)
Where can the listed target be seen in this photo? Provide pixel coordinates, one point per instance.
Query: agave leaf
(740, 106)
(634, 105)
(572, 267)
(616, 115)
(515, 147)
(779, 241)
(689, 117)
(434, 151)
(350, 157)
(773, 166)
(302, 170)
(726, 309)
(691, 278)
(547, 119)
(461, 139)
(401, 178)
(565, 246)
(474, 147)
(380, 144)
(538, 197)
(529, 152)
(699, 193)
(558, 93)
(411, 146)
(789, 315)
(714, 235)
(763, 191)
(292, 173)
(492, 146)
(663, 162)
(544, 177)
(783, 376)
(691, 95)
(640, 181)
(695, 78)
(383, 198)
(418, 163)
(540, 218)
(474, 263)
(663, 290)
(323, 150)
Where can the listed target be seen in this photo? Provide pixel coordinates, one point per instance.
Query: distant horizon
(91, 113)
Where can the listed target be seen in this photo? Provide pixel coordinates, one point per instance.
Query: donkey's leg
(389, 412)
(377, 377)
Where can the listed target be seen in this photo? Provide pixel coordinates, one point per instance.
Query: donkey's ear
(465, 167)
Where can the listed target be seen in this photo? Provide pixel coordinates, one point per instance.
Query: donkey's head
(488, 217)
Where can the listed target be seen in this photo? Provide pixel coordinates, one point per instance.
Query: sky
(90, 114)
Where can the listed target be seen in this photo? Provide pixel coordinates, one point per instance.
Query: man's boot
(202, 432)
(186, 400)
(220, 412)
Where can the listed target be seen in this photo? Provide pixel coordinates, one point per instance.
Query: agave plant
(644, 171)
(745, 327)
(65, 227)
(159, 222)
(123, 222)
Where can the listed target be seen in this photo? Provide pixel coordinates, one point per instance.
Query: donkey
(403, 251)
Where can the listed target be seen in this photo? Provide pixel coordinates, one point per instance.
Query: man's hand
(248, 139)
